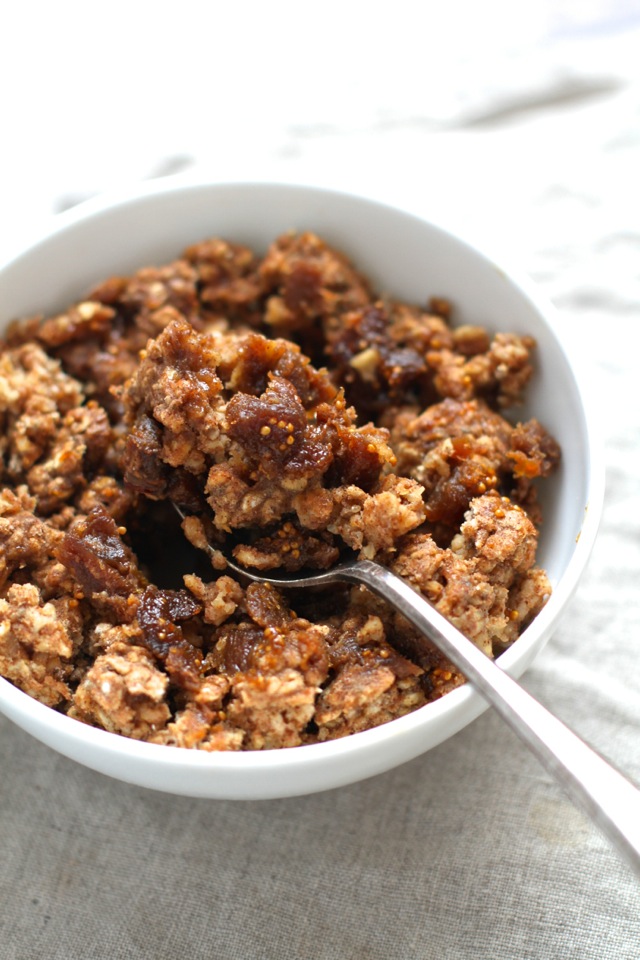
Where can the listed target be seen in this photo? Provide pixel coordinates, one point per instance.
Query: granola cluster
(293, 414)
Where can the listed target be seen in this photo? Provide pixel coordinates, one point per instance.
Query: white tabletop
(518, 124)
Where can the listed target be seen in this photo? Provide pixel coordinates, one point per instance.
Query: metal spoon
(612, 801)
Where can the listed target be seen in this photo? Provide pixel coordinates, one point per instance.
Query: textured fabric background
(519, 124)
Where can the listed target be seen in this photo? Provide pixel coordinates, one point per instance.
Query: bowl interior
(405, 257)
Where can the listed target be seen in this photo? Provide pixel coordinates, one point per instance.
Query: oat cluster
(293, 412)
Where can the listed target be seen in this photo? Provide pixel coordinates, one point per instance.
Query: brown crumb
(281, 402)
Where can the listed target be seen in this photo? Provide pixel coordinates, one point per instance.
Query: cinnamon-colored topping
(283, 403)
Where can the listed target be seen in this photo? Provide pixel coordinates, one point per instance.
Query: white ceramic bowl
(406, 257)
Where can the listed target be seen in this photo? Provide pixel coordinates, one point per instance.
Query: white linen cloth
(518, 124)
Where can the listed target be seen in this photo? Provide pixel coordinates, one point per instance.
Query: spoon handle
(612, 801)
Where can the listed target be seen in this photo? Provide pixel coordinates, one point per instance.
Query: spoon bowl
(409, 258)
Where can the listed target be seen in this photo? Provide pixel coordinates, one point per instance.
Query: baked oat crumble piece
(280, 401)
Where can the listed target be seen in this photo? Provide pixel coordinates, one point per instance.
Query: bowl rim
(22, 705)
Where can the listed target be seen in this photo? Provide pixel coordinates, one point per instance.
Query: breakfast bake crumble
(294, 413)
